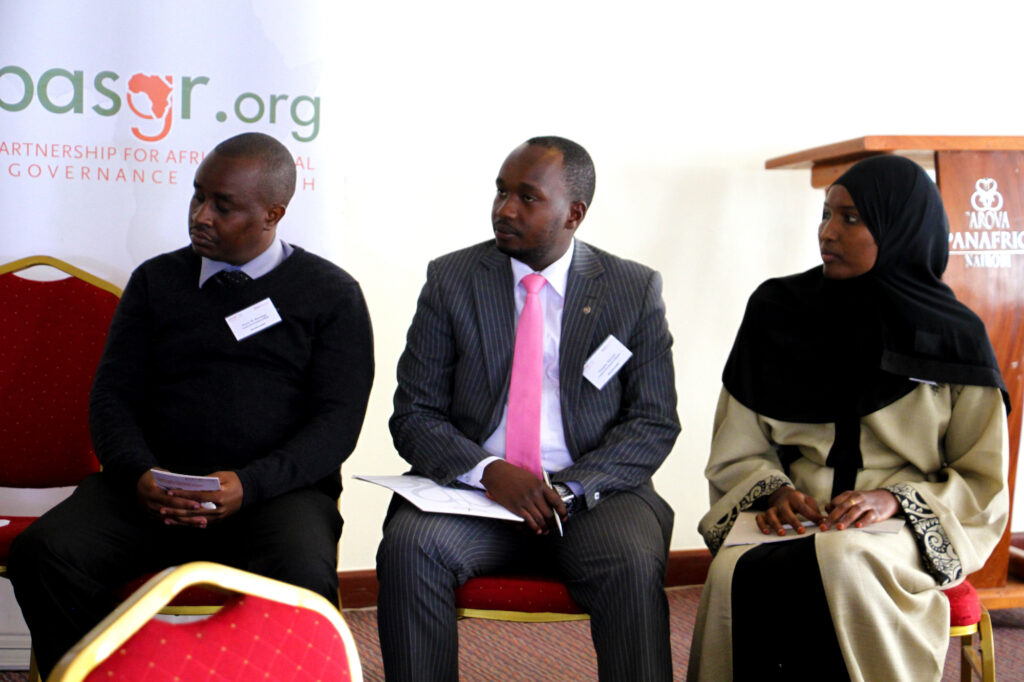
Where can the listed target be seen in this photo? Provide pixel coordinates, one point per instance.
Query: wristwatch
(573, 503)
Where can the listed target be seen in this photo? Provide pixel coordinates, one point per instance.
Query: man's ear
(274, 215)
(577, 212)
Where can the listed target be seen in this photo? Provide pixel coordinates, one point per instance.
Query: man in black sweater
(240, 357)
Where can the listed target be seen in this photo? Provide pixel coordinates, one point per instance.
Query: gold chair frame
(149, 600)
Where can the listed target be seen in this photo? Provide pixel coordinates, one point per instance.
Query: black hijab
(816, 350)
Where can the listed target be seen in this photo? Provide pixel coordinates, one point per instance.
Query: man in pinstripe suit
(600, 446)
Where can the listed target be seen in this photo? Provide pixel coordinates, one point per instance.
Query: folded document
(431, 497)
(746, 532)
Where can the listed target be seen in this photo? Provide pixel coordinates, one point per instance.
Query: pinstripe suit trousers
(613, 559)
(452, 386)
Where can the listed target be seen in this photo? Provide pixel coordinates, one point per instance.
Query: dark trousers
(763, 629)
(612, 558)
(65, 566)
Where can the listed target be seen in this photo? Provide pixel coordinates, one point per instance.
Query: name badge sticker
(606, 361)
(253, 319)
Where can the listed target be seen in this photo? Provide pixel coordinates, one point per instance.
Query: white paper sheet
(171, 481)
(431, 497)
(746, 532)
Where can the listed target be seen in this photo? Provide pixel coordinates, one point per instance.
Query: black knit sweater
(282, 408)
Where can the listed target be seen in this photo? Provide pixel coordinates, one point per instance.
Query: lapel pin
(586, 310)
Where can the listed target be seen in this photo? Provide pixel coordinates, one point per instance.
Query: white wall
(679, 104)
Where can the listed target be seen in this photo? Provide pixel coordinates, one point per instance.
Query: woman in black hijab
(855, 392)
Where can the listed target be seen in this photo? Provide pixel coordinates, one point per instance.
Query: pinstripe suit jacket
(453, 376)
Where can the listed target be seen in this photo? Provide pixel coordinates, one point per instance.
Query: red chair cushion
(531, 594)
(249, 639)
(193, 595)
(10, 531)
(964, 606)
(52, 335)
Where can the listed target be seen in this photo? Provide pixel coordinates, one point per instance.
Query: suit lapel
(496, 316)
(585, 295)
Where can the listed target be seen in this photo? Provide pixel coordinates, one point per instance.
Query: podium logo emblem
(987, 203)
(989, 240)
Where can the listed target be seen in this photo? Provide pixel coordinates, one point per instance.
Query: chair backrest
(194, 600)
(268, 630)
(51, 335)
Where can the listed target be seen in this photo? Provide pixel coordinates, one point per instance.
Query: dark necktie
(230, 279)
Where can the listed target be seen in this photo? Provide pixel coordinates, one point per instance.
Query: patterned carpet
(562, 652)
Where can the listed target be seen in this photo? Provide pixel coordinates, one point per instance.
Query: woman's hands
(783, 507)
(857, 508)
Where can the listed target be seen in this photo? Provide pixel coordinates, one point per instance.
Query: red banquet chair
(969, 618)
(519, 598)
(52, 335)
(267, 630)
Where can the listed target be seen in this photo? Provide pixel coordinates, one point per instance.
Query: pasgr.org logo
(152, 98)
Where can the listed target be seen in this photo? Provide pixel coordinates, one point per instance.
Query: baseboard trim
(358, 589)
(1016, 565)
(687, 567)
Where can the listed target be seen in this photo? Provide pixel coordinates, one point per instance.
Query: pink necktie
(522, 428)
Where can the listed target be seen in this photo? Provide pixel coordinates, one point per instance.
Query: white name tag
(255, 318)
(608, 359)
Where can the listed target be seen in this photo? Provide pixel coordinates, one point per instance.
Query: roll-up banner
(106, 110)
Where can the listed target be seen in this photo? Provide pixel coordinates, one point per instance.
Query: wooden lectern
(982, 187)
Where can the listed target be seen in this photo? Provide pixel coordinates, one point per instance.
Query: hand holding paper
(746, 532)
(183, 500)
(172, 481)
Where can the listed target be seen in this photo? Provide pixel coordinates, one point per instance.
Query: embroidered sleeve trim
(937, 552)
(766, 486)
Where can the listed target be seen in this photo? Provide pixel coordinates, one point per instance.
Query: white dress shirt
(273, 256)
(554, 453)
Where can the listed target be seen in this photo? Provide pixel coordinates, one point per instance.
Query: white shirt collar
(273, 256)
(557, 274)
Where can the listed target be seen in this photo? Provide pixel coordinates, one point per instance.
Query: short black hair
(278, 183)
(578, 167)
